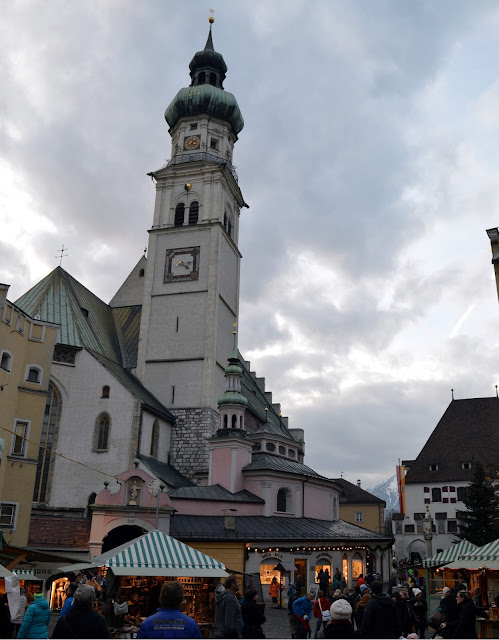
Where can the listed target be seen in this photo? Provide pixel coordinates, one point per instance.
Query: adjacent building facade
(438, 477)
(26, 349)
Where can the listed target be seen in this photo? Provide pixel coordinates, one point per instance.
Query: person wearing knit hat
(341, 624)
(36, 619)
(420, 608)
(363, 587)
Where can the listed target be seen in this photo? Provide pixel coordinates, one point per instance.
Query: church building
(141, 391)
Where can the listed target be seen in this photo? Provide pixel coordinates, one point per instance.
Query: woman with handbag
(321, 611)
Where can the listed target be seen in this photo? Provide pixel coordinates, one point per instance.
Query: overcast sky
(370, 162)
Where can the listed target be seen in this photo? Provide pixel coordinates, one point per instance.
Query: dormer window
(433, 467)
(282, 450)
(291, 453)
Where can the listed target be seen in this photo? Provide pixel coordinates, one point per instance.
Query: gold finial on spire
(234, 324)
(211, 19)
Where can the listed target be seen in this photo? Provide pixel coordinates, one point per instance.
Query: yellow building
(26, 349)
(361, 507)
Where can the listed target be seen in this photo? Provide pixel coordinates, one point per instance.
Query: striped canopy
(489, 551)
(157, 554)
(450, 554)
(26, 574)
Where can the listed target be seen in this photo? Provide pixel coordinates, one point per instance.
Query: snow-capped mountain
(388, 492)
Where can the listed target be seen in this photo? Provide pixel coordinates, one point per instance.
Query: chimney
(358, 483)
(230, 519)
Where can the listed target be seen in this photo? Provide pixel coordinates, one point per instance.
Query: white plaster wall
(229, 272)
(81, 388)
(186, 377)
(146, 435)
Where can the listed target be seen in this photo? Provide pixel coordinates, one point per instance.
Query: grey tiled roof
(165, 472)
(266, 462)
(467, 431)
(127, 321)
(130, 382)
(351, 493)
(273, 528)
(214, 492)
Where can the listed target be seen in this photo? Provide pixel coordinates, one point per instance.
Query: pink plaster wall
(120, 496)
(317, 502)
(221, 466)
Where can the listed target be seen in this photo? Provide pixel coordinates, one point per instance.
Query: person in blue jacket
(36, 619)
(169, 621)
(302, 608)
(68, 603)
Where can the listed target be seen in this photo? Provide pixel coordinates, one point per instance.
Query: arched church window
(47, 441)
(202, 78)
(213, 79)
(226, 421)
(102, 429)
(105, 391)
(234, 422)
(228, 221)
(283, 501)
(194, 212)
(179, 214)
(155, 439)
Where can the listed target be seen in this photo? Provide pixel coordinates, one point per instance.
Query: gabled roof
(130, 382)
(272, 528)
(266, 462)
(127, 322)
(165, 472)
(467, 431)
(214, 492)
(84, 320)
(352, 493)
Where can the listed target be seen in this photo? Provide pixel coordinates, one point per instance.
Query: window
(257, 446)
(6, 361)
(445, 489)
(356, 565)
(226, 420)
(105, 391)
(19, 443)
(64, 355)
(194, 212)
(427, 500)
(451, 526)
(282, 450)
(409, 528)
(213, 79)
(284, 501)
(291, 453)
(33, 374)
(228, 221)
(234, 422)
(433, 467)
(141, 273)
(465, 465)
(194, 126)
(359, 516)
(436, 495)
(270, 446)
(179, 214)
(452, 489)
(446, 500)
(8, 513)
(453, 499)
(155, 439)
(102, 432)
(214, 144)
(461, 493)
(202, 78)
(426, 489)
(47, 441)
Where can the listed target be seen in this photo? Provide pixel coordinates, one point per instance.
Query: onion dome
(206, 93)
(232, 398)
(233, 373)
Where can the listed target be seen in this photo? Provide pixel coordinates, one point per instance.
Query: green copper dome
(232, 398)
(233, 369)
(205, 98)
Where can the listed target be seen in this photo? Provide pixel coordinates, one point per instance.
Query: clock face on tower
(192, 142)
(182, 264)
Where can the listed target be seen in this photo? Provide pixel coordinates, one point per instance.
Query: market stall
(438, 573)
(136, 570)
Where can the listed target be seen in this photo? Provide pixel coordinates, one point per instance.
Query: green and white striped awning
(157, 554)
(450, 554)
(489, 551)
(26, 574)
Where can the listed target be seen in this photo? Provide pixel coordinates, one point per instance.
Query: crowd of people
(363, 612)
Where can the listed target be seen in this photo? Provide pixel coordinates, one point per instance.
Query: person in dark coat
(169, 621)
(379, 619)
(340, 625)
(420, 608)
(5, 623)
(448, 606)
(404, 622)
(467, 613)
(81, 621)
(253, 618)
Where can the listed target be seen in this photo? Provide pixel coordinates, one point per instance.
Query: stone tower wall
(190, 452)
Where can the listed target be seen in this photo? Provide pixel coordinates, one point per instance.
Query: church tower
(191, 288)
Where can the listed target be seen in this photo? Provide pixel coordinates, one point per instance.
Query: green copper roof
(84, 320)
(205, 98)
(232, 398)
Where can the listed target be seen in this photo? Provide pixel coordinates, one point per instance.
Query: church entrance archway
(121, 535)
